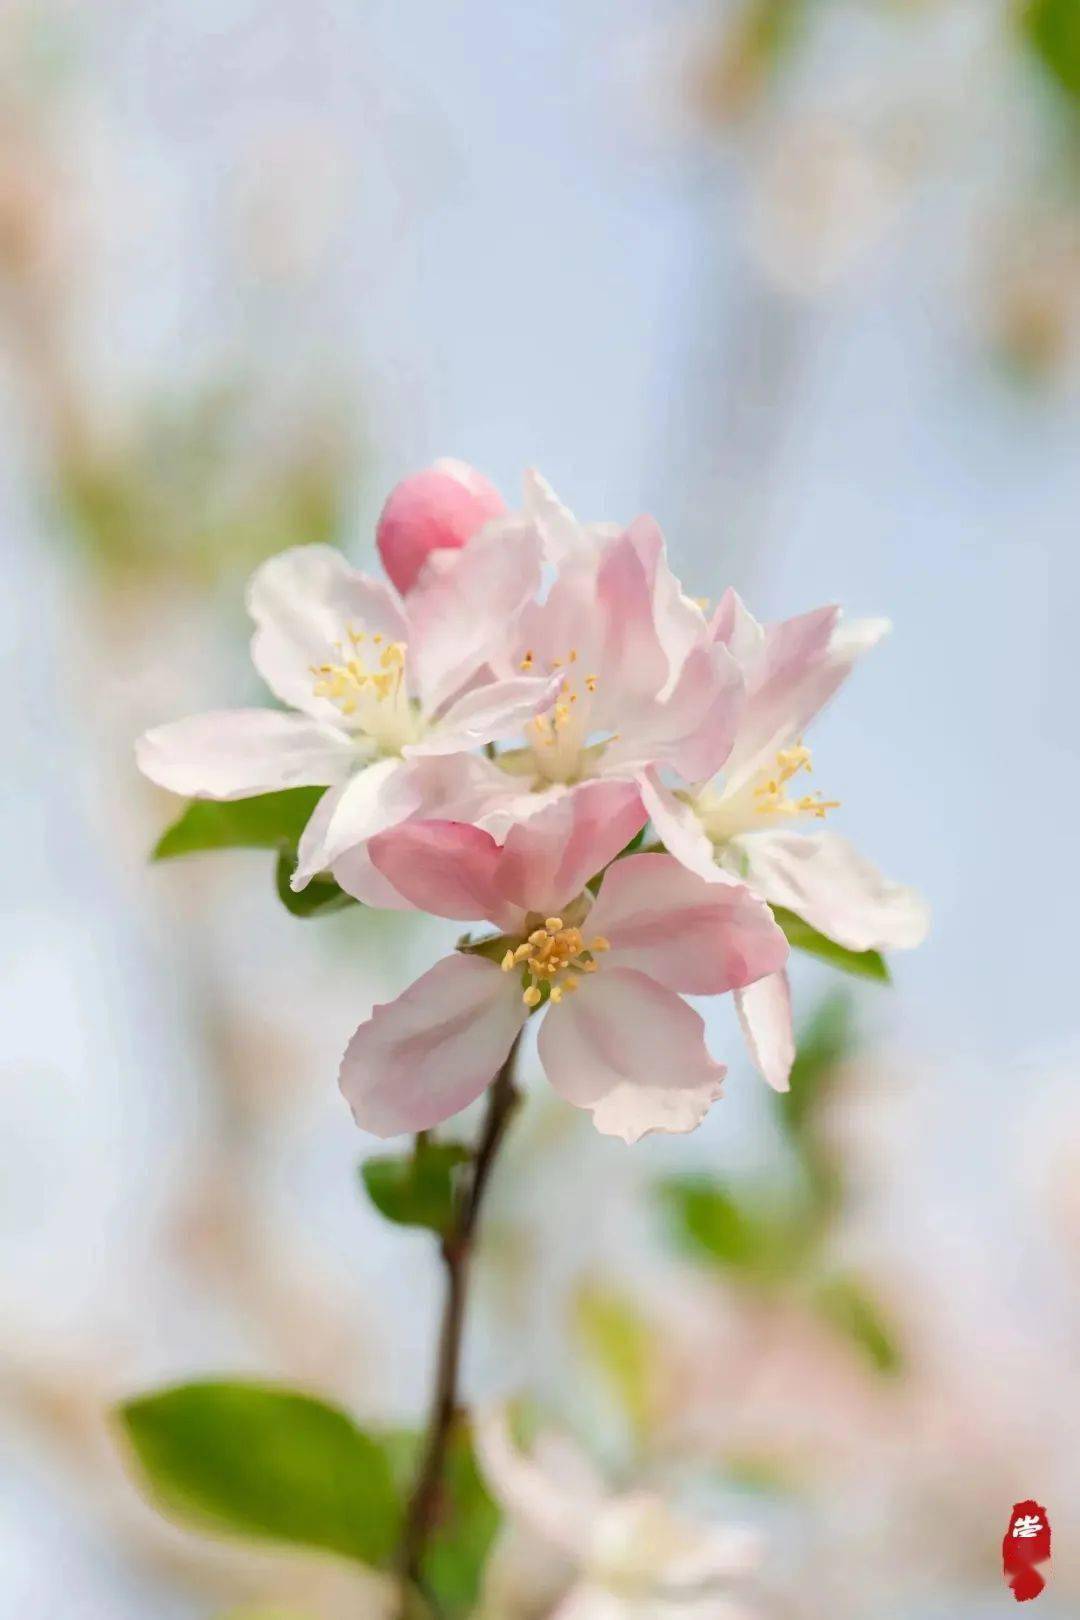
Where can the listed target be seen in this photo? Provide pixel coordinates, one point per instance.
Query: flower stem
(457, 1247)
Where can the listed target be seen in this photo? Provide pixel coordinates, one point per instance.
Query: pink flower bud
(438, 509)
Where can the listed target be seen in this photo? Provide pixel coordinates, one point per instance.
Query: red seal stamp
(1025, 1549)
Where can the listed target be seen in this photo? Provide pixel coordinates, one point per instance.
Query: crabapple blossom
(617, 1039)
(387, 696)
(743, 822)
(431, 514)
(608, 1555)
(641, 682)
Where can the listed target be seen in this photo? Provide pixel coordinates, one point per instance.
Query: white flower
(386, 696)
(609, 1556)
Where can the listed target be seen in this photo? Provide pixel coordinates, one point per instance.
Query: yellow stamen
(553, 924)
(531, 997)
(771, 795)
(508, 962)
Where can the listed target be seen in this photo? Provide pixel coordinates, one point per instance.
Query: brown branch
(457, 1246)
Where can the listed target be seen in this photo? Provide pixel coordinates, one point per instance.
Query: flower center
(771, 796)
(558, 739)
(374, 699)
(555, 956)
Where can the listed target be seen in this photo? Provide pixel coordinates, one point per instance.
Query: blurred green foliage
(467, 1520)
(619, 1340)
(773, 1235)
(1052, 29)
(417, 1188)
(188, 489)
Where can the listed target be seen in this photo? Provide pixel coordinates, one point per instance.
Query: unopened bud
(438, 509)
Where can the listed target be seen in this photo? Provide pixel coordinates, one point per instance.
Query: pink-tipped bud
(438, 509)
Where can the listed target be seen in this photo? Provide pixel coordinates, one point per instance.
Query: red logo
(1025, 1548)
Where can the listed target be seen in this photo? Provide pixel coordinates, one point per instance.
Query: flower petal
(236, 753)
(699, 937)
(461, 617)
(692, 730)
(764, 1011)
(679, 826)
(556, 1504)
(449, 868)
(430, 1053)
(633, 1053)
(304, 602)
(564, 538)
(488, 713)
(547, 860)
(824, 880)
(377, 797)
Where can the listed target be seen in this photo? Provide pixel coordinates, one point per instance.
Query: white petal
(633, 1053)
(490, 713)
(677, 823)
(236, 753)
(377, 797)
(764, 1011)
(564, 538)
(430, 1053)
(304, 602)
(824, 880)
(557, 1504)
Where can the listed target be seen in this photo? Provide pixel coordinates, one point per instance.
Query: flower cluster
(496, 725)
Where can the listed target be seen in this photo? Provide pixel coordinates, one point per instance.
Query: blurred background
(802, 278)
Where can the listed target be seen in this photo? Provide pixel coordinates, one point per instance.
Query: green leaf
(801, 937)
(318, 899)
(620, 1341)
(762, 1240)
(826, 1041)
(1052, 29)
(416, 1189)
(267, 821)
(255, 1460)
(458, 1547)
(843, 1303)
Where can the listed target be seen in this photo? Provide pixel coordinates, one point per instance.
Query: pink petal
(702, 938)
(448, 868)
(764, 1011)
(438, 509)
(430, 1053)
(547, 860)
(378, 796)
(461, 618)
(679, 621)
(633, 1053)
(824, 880)
(634, 664)
(692, 730)
(236, 753)
(786, 686)
(303, 602)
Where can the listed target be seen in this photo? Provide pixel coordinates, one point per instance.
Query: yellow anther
(591, 683)
(527, 661)
(508, 962)
(572, 659)
(553, 924)
(539, 937)
(772, 798)
(600, 943)
(532, 996)
(555, 993)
